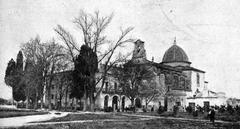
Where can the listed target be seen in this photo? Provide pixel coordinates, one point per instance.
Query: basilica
(181, 84)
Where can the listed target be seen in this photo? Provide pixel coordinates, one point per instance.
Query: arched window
(115, 102)
(176, 81)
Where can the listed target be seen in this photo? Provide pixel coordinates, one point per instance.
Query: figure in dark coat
(212, 115)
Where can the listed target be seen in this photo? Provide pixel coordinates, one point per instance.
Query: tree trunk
(41, 101)
(85, 102)
(27, 104)
(49, 88)
(66, 95)
(92, 104)
(76, 105)
(49, 97)
(72, 104)
(60, 106)
(91, 98)
(17, 104)
(36, 101)
(133, 105)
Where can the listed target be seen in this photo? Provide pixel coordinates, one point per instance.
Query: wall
(212, 101)
(194, 85)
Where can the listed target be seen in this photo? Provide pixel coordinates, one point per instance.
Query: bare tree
(57, 62)
(149, 90)
(92, 28)
(41, 59)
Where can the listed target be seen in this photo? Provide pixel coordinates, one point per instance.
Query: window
(206, 104)
(52, 87)
(182, 82)
(106, 86)
(175, 81)
(198, 79)
(52, 96)
(191, 105)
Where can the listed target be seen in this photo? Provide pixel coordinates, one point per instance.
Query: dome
(175, 54)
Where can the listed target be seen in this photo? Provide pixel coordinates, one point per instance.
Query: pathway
(22, 120)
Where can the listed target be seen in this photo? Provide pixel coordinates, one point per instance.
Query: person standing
(212, 115)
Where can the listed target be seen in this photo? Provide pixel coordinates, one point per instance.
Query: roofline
(159, 65)
(189, 68)
(200, 97)
(194, 69)
(176, 62)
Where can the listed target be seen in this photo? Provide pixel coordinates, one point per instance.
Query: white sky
(208, 31)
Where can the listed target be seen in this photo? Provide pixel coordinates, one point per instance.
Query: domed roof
(175, 54)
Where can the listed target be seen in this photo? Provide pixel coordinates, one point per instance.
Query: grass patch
(6, 112)
(201, 116)
(228, 117)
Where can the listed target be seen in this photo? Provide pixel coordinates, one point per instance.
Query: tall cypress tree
(13, 78)
(19, 90)
(19, 65)
(84, 73)
(10, 71)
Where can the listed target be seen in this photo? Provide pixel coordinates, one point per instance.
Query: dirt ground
(119, 121)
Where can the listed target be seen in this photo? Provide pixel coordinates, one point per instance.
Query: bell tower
(139, 51)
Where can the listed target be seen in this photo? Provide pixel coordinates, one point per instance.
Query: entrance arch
(123, 103)
(115, 102)
(106, 101)
(138, 103)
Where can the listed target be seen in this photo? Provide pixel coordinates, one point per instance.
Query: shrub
(144, 110)
(108, 109)
(175, 110)
(160, 110)
(222, 109)
(230, 109)
(237, 109)
(195, 113)
(189, 109)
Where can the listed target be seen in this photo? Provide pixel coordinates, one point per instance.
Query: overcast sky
(208, 31)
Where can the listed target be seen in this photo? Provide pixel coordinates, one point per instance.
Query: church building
(180, 83)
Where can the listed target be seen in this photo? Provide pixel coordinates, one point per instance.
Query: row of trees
(32, 79)
(29, 79)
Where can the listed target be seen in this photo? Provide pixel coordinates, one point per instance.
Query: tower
(139, 52)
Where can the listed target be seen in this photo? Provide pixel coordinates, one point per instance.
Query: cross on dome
(175, 42)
